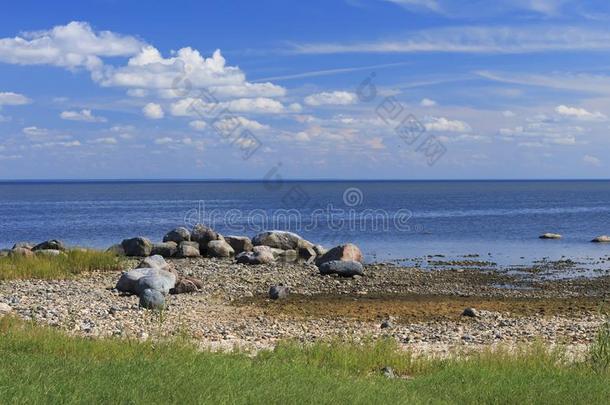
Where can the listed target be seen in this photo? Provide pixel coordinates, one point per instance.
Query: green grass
(41, 365)
(56, 267)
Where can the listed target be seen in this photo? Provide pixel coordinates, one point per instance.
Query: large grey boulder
(116, 249)
(219, 248)
(342, 268)
(52, 244)
(203, 235)
(25, 245)
(259, 255)
(601, 239)
(129, 282)
(177, 235)
(165, 249)
(154, 262)
(281, 240)
(152, 299)
(21, 252)
(188, 249)
(347, 252)
(239, 243)
(138, 246)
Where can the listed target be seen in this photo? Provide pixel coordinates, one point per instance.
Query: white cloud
(137, 93)
(10, 98)
(106, 141)
(426, 102)
(476, 39)
(164, 141)
(71, 46)
(445, 125)
(62, 144)
(579, 113)
(194, 107)
(591, 160)
(375, 143)
(229, 124)
(153, 111)
(35, 131)
(184, 73)
(508, 113)
(82, 115)
(331, 98)
(198, 125)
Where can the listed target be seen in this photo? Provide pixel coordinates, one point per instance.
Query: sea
(498, 221)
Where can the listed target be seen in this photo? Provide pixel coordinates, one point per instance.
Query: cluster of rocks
(51, 247)
(598, 239)
(153, 279)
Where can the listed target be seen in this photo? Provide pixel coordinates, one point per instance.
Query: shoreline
(421, 308)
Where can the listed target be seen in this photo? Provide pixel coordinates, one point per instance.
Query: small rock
(239, 243)
(470, 312)
(48, 252)
(5, 308)
(138, 246)
(278, 292)
(602, 239)
(550, 236)
(188, 249)
(21, 252)
(388, 372)
(387, 324)
(347, 252)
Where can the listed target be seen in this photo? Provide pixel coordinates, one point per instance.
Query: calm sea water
(389, 220)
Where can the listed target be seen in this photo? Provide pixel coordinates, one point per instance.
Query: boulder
(342, 268)
(152, 299)
(177, 235)
(129, 280)
(5, 308)
(49, 252)
(163, 282)
(277, 292)
(188, 249)
(549, 235)
(116, 249)
(219, 248)
(347, 252)
(239, 243)
(601, 239)
(203, 235)
(25, 245)
(165, 249)
(281, 240)
(21, 252)
(154, 262)
(288, 256)
(183, 286)
(259, 255)
(52, 244)
(138, 246)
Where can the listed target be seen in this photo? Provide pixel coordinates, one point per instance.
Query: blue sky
(240, 89)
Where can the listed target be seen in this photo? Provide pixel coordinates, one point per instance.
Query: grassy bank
(40, 365)
(56, 267)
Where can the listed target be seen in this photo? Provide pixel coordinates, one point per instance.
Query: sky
(343, 89)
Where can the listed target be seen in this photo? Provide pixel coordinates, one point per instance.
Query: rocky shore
(421, 309)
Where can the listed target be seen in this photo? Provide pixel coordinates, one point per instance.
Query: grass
(56, 267)
(41, 365)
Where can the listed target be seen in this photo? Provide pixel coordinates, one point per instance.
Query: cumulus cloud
(579, 113)
(229, 124)
(73, 45)
(153, 111)
(82, 115)
(331, 98)
(445, 125)
(35, 131)
(195, 107)
(426, 102)
(184, 73)
(10, 98)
